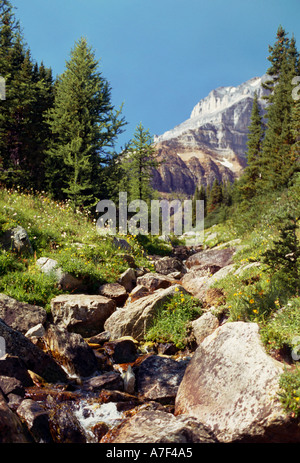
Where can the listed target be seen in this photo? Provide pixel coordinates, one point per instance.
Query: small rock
(65, 280)
(128, 279)
(110, 380)
(121, 350)
(36, 331)
(129, 380)
(154, 281)
(167, 265)
(16, 239)
(114, 291)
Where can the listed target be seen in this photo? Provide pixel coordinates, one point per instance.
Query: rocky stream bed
(85, 374)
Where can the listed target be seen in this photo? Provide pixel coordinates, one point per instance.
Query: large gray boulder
(82, 313)
(231, 387)
(136, 317)
(20, 315)
(221, 257)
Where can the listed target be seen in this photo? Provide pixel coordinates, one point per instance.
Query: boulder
(65, 280)
(158, 427)
(111, 381)
(71, 351)
(122, 350)
(197, 284)
(12, 430)
(16, 239)
(231, 386)
(221, 257)
(114, 291)
(81, 313)
(34, 358)
(167, 265)
(154, 281)
(36, 419)
(20, 315)
(136, 318)
(14, 376)
(204, 326)
(128, 279)
(158, 378)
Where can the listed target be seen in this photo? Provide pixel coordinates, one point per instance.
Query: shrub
(289, 391)
(172, 320)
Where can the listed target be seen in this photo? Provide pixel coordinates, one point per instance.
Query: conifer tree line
(59, 134)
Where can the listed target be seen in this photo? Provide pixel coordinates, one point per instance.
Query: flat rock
(231, 385)
(167, 265)
(114, 291)
(221, 257)
(81, 313)
(154, 281)
(20, 315)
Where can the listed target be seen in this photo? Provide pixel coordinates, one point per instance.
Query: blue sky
(160, 56)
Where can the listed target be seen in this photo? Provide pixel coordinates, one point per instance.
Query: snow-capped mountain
(212, 142)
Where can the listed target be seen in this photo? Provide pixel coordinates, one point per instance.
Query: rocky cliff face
(211, 143)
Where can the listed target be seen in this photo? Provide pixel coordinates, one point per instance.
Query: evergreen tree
(84, 125)
(139, 160)
(276, 56)
(277, 163)
(21, 122)
(284, 257)
(215, 196)
(252, 173)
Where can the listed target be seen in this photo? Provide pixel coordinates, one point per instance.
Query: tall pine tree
(250, 180)
(84, 126)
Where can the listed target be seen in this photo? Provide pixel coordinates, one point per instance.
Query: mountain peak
(211, 108)
(212, 143)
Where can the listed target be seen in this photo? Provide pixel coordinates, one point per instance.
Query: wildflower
(255, 311)
(176, 289)
(251, 301)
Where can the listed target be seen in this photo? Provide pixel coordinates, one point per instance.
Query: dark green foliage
(284, 257)
(23, 133)
(138, 162)
(252, 173)
(84, 125)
